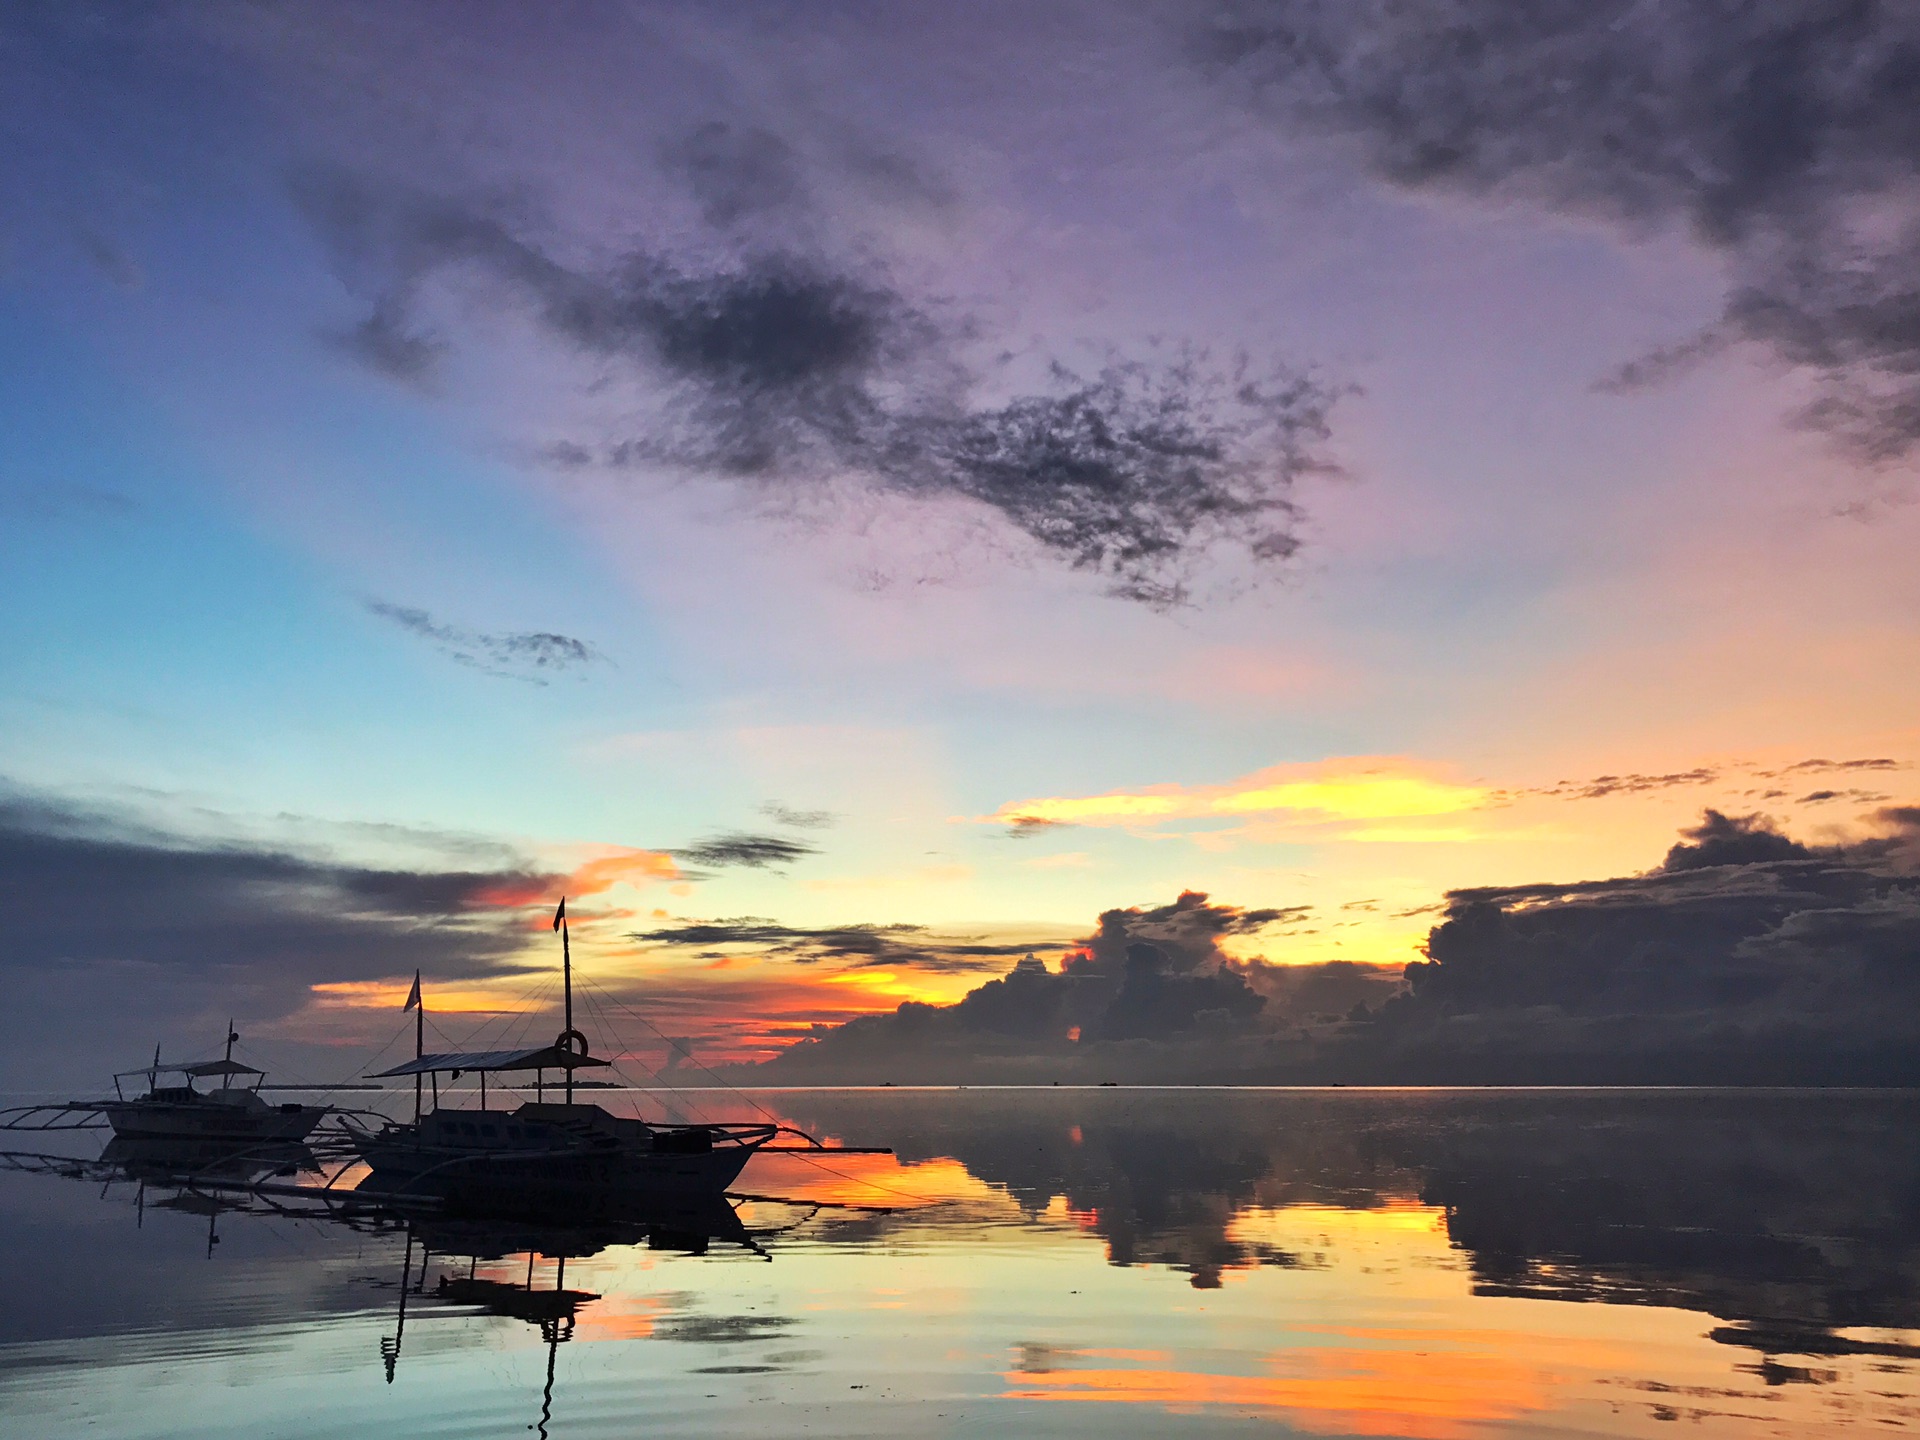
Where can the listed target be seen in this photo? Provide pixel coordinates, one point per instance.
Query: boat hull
(167, 1120)
(595, 1182)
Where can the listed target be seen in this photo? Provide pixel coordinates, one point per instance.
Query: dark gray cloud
(1148, 995)
(530, 655)
(770, 360)
(798, 819)
(1856, 797)
(1784, 134)
(860, 946)
(1630, 784)
(1132, 471)
(1818, 766)
(739, 850)
(1731, 840)
(777, 367)
(384, 344)
(1746, 956)
(1638, 783)
(736, 171)
(120, 933)
(1025, 827)
(1186, 932)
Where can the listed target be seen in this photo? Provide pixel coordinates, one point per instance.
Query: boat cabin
(227, 1072)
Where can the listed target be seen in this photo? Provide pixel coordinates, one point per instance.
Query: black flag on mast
(560, 915)
(413, 995)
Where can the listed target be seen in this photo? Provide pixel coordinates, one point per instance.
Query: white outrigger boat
(543, 1156)
(229, 1111)
(227, 1114)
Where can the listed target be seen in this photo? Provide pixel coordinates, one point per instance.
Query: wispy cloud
(858, 946)
(1820, 766)
(798, 819)
(778, 366)
(530, 655)
(737, 849)
(1633, 783)
(1781, 135)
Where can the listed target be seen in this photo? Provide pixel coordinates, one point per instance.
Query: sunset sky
(619, 448)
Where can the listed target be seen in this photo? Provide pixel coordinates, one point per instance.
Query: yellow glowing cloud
(1354, 789)
(1370, 795)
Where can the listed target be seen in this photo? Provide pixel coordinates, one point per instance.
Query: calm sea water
(1057, 1262)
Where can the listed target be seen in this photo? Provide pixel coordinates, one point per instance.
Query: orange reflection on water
(1428, 1394)
(619, 1316)
(870, 1180)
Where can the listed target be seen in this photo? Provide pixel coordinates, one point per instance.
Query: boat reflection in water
(689, 1229)
(444, 1244)
(187, 1164)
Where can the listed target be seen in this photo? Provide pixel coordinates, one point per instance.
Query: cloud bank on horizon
(1745, 956)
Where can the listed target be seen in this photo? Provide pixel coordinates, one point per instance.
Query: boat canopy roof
(544, 1057)
(199, 1069)
(221, 1067)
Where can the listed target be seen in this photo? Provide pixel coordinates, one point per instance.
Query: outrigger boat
(229, 1112)
(544, 1157)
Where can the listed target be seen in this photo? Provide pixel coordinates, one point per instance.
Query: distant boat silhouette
(229, 1112)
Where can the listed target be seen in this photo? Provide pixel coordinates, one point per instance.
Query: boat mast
(566, 973)
(226, 1078)
(417, 1003)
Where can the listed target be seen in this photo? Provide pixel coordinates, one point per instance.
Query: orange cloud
(608, 866)
(1362, 789)
(620, 866)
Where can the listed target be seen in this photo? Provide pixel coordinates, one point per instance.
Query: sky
(919, 478)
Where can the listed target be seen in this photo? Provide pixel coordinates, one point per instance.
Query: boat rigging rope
(669, 1041)
(763, 1110)
(606, 1028)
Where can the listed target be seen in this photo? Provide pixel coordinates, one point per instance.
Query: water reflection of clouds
(1438, 1393)
(1430, 1266)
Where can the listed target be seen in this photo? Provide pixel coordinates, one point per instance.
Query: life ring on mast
(565, 1042)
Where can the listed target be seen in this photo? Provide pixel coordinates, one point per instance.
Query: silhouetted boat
(544, 1158)
(228, 1112)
